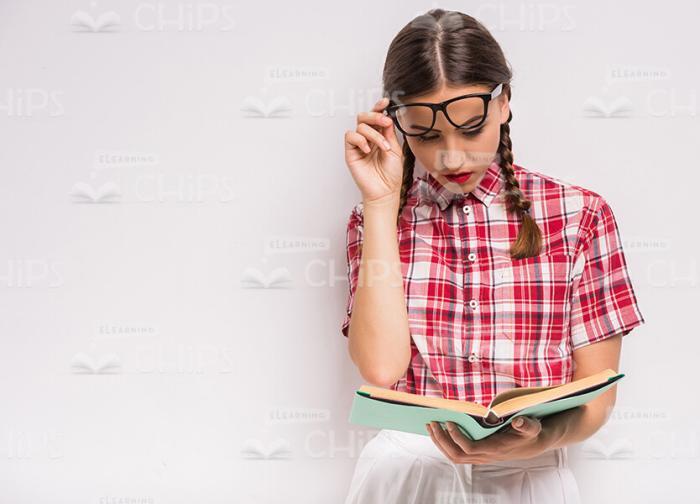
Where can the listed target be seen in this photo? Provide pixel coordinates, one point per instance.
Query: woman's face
(447, 150)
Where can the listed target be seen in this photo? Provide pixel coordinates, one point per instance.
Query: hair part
(451, 47)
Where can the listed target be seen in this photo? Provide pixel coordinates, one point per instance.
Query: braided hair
(529, 240)
(409, 162)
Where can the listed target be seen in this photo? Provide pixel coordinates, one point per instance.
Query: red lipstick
(460, 178)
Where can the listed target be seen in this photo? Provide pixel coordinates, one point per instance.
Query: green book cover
(385, 414)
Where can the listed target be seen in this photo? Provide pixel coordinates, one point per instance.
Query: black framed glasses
(466, 112)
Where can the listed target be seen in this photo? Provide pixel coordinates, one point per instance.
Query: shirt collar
(430, 190)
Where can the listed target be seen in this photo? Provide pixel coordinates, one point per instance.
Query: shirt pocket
(531, 298)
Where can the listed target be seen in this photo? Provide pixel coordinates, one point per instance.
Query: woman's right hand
(374, 156)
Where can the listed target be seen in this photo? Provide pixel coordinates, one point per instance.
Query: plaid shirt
(481, 322)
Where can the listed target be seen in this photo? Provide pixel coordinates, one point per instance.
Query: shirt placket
(468, 247)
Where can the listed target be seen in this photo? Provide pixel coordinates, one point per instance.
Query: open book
(390, 409)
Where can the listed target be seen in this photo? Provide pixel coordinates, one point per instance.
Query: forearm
(379, 338)
(574, 425)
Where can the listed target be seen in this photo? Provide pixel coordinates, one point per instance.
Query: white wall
(137, 193)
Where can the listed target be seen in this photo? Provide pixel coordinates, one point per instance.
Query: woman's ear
(505, 108)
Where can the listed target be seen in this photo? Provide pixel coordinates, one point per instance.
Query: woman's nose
(451, 158)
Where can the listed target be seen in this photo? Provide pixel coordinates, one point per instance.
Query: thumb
(389, 132)
(527, 425)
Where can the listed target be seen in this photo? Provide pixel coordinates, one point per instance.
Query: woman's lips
(460, 178)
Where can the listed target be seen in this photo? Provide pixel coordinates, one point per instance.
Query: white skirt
(399, 467)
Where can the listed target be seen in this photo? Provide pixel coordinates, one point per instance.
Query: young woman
(474, 278)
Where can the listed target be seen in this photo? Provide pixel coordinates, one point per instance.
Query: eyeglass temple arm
(497, 91)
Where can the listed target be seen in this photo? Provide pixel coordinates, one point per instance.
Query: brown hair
(453, 47)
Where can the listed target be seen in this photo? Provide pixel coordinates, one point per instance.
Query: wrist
(545, 438)
(555, 429)
(387, 203)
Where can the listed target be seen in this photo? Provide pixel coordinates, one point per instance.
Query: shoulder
(580, 206)
(540, 186)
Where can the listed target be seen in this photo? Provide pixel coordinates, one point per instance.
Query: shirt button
(472, 257)
(467, 209)
(472, 357)
(473, 303)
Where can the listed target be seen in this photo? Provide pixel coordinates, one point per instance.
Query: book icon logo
(279, 106)
(275, 450)
(82, 192)
(86, 22)
(278, 278)
(596, 107)
(82, 363)
(611, 450)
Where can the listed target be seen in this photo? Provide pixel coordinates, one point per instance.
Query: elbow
(378, 367)
(375, 373)
(379, 378)
(383, 374)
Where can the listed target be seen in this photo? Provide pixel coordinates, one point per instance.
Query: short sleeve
(603, 300)
(353, 245)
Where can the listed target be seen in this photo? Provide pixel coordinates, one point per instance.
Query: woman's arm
(575, 425)
(379, 337)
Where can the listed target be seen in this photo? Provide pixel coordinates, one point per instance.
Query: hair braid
(409, 162)
(528, 243)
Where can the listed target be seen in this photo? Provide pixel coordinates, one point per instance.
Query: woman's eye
(468, 134)
(472, 133)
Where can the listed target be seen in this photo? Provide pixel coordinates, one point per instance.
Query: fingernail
(387, 145)
(518, 422)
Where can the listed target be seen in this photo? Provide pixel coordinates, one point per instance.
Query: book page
(515, 404)
(469, 408)
(517, 392)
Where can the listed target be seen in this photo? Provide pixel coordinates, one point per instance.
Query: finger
(389, 131)
(432, 430)
(527, 426)
(390, 134)
(465, 444)
(387, 124)
(353, 140)
(381, 104)
(453, 450)
(481, 460)
(376, 118)
(374, 136)
(462, 458)
(490, 447)
(381, 123)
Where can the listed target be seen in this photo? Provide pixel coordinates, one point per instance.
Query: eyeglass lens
(466, 113)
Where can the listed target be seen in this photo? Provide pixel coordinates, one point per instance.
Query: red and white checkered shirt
(481, 322)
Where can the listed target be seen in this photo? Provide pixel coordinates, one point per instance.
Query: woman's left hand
(513, 442)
